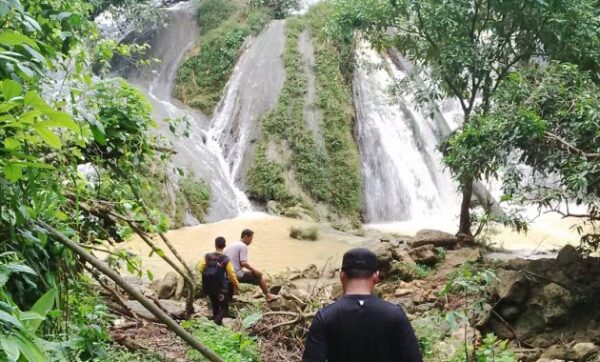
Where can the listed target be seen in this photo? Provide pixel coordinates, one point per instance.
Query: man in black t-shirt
(360, 327)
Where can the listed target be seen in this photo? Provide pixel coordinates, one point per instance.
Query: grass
(232, 346)
(330, 174)
(307, 233)
(224, 25)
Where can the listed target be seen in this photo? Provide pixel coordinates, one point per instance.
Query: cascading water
(198, 153)
(252, 90)
(403, 178)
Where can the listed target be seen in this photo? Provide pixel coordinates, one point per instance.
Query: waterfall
(403, 178)
(252, 90)
(199, 153)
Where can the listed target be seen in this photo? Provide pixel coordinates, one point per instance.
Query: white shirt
(237, 252)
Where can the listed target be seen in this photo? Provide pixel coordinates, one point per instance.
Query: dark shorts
(249, 278)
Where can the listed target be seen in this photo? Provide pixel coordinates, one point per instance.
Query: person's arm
(231, 274)
(316, 342)
(408, 346)
(244, 262)
(202, 265)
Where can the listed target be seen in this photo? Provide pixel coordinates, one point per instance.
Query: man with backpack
(217, 272)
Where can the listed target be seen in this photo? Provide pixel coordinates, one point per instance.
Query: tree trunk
(104, 269)
(464, 228)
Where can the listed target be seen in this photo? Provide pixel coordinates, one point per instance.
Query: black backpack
(213, 276)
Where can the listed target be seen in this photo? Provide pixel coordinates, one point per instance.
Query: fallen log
(133, 293)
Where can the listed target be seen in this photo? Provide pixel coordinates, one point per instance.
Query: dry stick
(158, 251)
(104, 269)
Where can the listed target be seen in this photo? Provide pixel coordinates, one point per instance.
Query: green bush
(307, 233)
(212, 12)
(232, 346)
(197, 195)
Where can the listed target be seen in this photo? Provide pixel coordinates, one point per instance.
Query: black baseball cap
(359, 259)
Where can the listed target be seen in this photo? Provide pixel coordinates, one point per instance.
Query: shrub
(212, 12)
(230, 345)
(307, 233)
(197, 195)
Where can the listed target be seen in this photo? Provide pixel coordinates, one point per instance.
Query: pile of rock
(398, 258)
(548, 302)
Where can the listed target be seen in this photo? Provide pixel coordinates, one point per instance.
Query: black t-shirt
(361, 328)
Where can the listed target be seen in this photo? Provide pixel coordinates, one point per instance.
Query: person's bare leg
(263, 286)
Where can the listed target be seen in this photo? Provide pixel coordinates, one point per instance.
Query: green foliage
(280, 8)
(19, 336)
(546, 118)
(197, 195)
(73, 148)
(306, 233)
(430, 330)
(116, 354)
(266, 180)
(204, 74)
(211, 13)
(469, 281)
(230, 345)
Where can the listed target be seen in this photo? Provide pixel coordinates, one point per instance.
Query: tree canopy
(467, 48)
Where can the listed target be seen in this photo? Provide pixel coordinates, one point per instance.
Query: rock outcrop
(547, 301)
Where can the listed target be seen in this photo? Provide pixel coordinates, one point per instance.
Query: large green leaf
(12, 172)
(42, 307)
(18, 268)
(11, 89)
(8, 37)
(10, 346)
(31, 320)
(48, 136)
(61, 119)
(3, 278)
(10, 319)
(12, 143)
(32, 352)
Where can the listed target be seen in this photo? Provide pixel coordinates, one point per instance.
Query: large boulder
(584, 350)
(568, 255)
(424, 254)
(435, 238)
(556, 303)
(403, 271)
(559, 352)
(311, 272)
(167, 286)
(383, 252)
(512, 287)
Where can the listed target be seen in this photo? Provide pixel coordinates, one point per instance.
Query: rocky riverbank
(455, 297)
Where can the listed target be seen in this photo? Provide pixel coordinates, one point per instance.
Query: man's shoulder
(234, 246)
(377, 303)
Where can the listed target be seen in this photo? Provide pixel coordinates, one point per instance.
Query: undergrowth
(196, 194)
(232, 346)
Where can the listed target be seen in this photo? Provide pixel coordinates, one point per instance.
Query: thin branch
(569, 147)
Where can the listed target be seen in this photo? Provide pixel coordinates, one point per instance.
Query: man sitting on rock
(360, 327)
(217, 274)
(238, 253)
